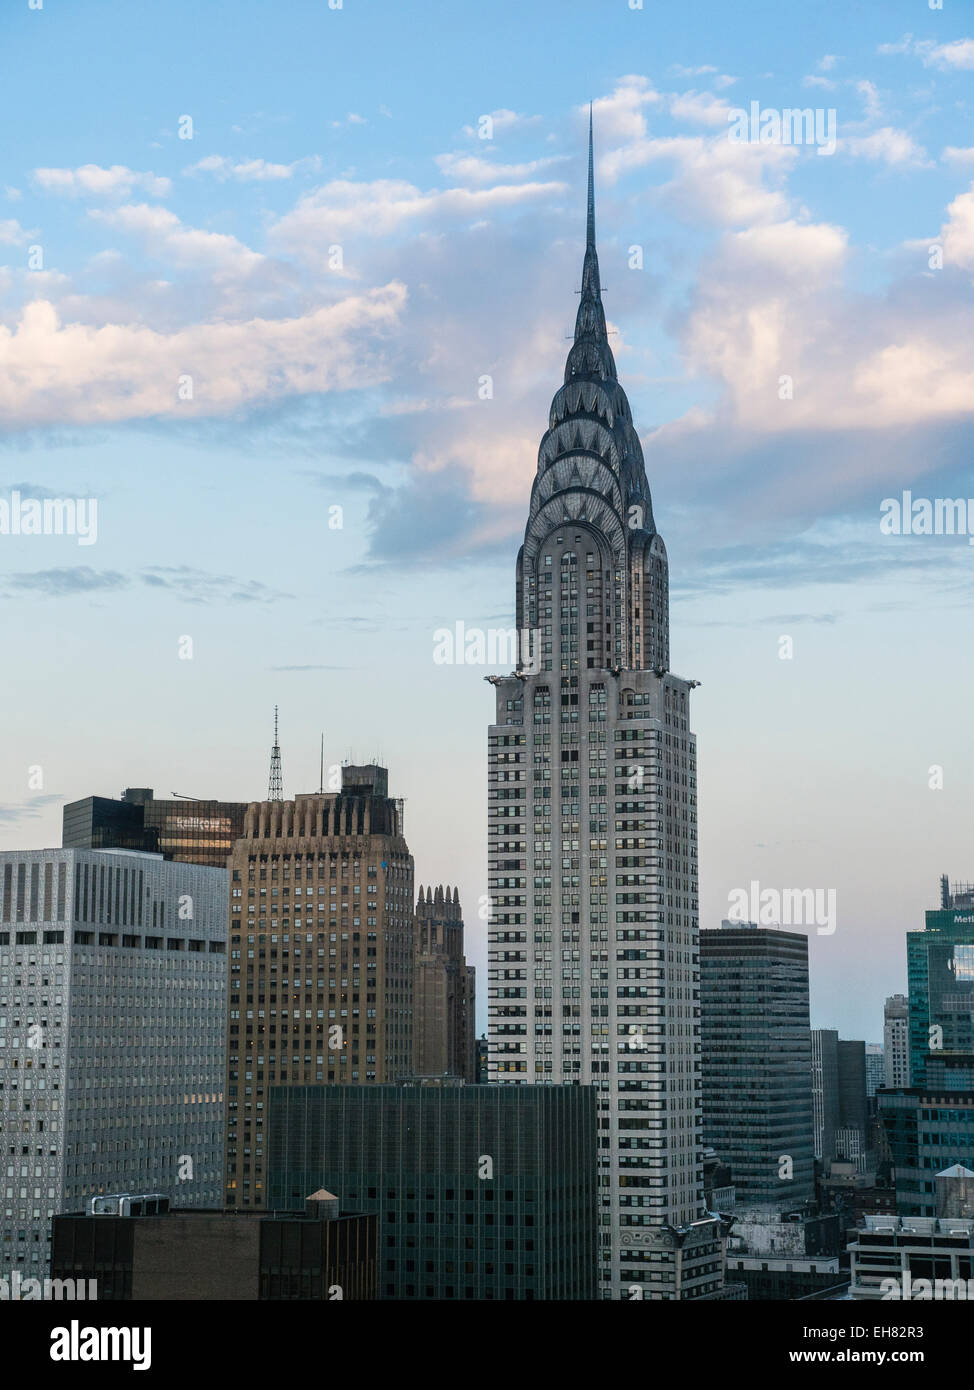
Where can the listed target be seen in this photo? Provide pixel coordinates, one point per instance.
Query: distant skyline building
(875, 1068)
(852, 1135)
(929, 1124)
(192, 831)
(481, 1192)
(112, 1001)
(444, 995)
(592, 821)
(896, 1041)
(825, 1092)
(940, 967)
(756, 1061)
(321, 956)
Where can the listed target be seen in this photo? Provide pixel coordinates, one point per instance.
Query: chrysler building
(593, 963)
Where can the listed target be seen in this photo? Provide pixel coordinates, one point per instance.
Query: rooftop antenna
(321, 774)
(275, 784)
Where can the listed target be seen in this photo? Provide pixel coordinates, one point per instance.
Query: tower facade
(757, 1080)
(321, 956)
(113, 976)
(593, 968)
(443, 990)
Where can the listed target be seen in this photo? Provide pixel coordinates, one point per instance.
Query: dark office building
(482, 1192)
(196, 832)
(190, 1256)
(755, 1060)
(853, 1133)
(825, 1092)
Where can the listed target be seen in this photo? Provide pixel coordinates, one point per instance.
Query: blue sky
(132, 259)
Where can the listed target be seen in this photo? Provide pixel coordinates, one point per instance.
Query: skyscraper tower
(593, 965)
(275, 782)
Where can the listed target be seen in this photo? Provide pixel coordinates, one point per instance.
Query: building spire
(275, 784)
(590, 230)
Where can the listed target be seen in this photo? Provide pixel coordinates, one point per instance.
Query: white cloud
(699, 108)
(827, 62)
(889, 146)
(957, 233)
(620, 116)
(955, 154)
(502, 120)
(870, 98)
(469, 168)
(342, 208)
(958, 55)
(76, 373)
(92, 181)
(12, 233)
(718, 181)
(167, 238)
(824, 82)
(250, 170)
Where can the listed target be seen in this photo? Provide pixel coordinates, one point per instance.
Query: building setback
(756, 1062)
(482, 1192)
(112, 1004)
(592, 821)
(321, 956)
(444, 1028)
(202, 1256)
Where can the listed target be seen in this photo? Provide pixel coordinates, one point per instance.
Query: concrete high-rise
(896, 1041)
(444, 1028)
(112, 1004)
(321, 956)
(756, 1061)
(592, 820)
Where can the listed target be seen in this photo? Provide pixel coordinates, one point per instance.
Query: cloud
(621, 115)
(181, 246)
(700, 108)
(954, 154)
(191, 585)
(93, 181)
(888, 146)
(197, 586)
(251, 170)
(342, 208)
(55, 373)
(718, 181)
(502, 120)
(59, 583)
(469, 168)
(958, 55)
(12, 233)
(14, 812)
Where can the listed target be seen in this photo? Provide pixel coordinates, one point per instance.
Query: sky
(285, 290)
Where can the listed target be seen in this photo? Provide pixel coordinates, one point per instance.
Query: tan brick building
(321, 956)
